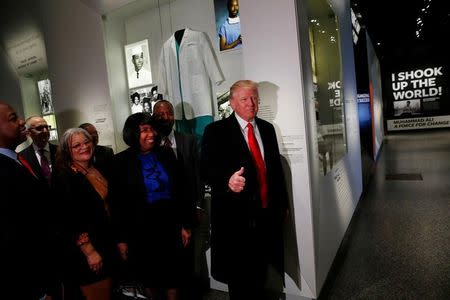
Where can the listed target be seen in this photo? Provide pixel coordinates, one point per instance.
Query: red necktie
(259, 163)
(25, 164)
(45, 166)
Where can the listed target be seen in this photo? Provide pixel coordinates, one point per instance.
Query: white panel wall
(77, 66)
(115, 35)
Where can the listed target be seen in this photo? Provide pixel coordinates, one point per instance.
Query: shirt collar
(36, 148)
(233, 20)
(244, 123)
(9, 153)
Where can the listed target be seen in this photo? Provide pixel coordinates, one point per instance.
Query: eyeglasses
(41, 127)
(78, 146)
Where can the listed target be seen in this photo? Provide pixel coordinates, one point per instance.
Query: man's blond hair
(243, 84)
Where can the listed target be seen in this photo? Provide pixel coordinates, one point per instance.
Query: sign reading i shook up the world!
(419, 99)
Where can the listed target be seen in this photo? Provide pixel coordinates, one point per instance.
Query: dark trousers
(250, 275)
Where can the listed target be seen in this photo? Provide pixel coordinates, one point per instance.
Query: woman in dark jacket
(151, 223)
(87, 244)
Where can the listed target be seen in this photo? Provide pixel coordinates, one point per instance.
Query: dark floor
(398, 243)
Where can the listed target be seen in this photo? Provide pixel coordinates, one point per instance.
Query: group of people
(97, 216)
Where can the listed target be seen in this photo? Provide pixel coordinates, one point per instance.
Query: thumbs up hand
(237, 181)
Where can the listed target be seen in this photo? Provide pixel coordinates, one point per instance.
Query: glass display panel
(327, 80)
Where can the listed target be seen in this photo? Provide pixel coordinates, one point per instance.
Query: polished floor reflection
(398, 243)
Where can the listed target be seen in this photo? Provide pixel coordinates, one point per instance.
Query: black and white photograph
(138, 64)
(143, 99)
(407, 108)
(45, 96)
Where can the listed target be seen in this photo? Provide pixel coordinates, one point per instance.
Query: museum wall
(77, 67)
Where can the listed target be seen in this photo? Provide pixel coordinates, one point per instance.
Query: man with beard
(186, 150)
(24, 231)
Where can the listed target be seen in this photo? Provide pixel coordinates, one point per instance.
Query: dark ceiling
(394, 25)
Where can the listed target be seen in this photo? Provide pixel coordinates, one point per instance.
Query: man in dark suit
(102, 155)
(24, 247)
(242, 164)
(40, 154)
(187, 153)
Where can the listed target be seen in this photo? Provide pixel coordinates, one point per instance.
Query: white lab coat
(198, 71)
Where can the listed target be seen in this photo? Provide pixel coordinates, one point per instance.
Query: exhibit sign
(27, 51)
(419, 98)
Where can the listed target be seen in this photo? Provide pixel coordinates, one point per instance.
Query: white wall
(114, 36)
(77, 66)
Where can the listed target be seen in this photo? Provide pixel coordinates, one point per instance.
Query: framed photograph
(138, 64)
(45, 96)
(143, 99)
(228, 24)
